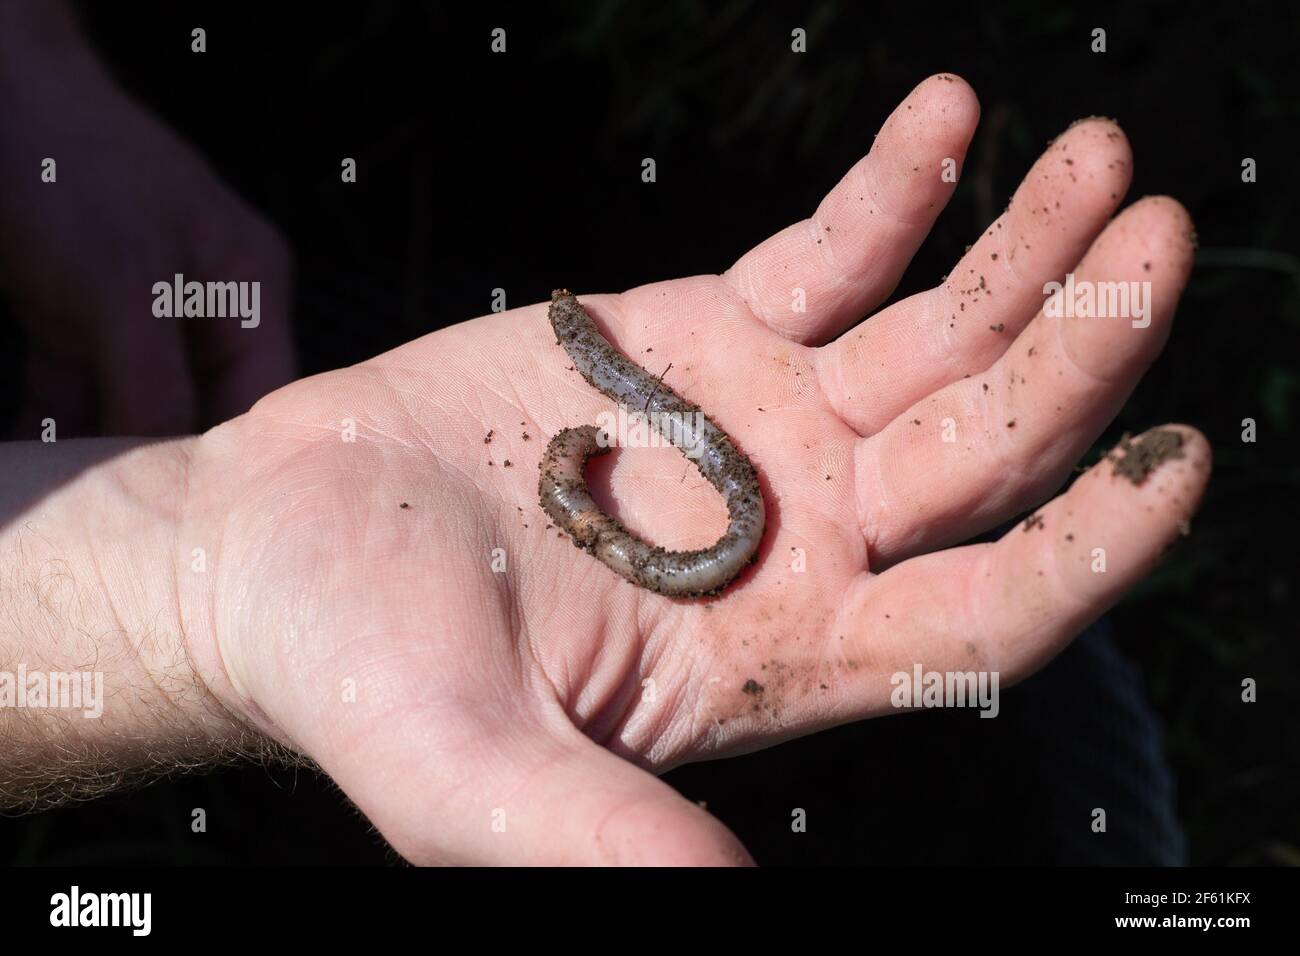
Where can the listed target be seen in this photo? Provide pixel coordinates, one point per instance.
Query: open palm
(387, 596)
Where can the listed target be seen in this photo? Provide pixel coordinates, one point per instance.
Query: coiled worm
(563, 490)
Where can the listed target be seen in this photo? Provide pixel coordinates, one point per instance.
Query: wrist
(135, 510)
(138, 538)
(212, 584)
(89, 570)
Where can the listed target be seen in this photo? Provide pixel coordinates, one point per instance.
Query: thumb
(530, 800)
(591, 807)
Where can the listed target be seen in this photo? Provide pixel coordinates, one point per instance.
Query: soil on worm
(687, 574)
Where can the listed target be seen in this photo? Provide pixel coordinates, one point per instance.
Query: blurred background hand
(130, 204)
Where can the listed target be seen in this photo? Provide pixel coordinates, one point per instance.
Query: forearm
(96, 680)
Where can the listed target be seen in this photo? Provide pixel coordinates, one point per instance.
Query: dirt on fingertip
(1136, 459)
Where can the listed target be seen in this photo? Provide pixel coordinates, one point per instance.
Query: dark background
(464, 157)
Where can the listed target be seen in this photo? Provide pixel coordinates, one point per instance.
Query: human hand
(350, 607)
(131, 205)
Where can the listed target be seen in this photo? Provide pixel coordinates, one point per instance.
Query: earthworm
(566, 499)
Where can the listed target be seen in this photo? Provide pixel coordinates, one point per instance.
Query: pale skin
(480, 714)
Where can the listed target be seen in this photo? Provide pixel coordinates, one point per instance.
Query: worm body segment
(563, 490)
